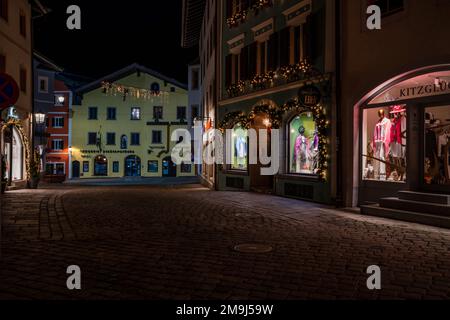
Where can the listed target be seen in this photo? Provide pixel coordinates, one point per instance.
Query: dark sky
(115, 34)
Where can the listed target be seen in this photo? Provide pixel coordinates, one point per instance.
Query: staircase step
(402, 215)
(425, 197)
(415, 206)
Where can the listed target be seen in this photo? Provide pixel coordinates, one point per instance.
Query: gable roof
(133, 68)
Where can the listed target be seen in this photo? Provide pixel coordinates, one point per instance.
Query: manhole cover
(246, 215)
(253, 248)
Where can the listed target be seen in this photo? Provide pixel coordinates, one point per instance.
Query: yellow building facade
(122, 126)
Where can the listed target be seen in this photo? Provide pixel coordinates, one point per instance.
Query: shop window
(239, 150)
(303, 144)
(437, 145)
(152, 166)
(186, 168)
(55, 169)
(384, 144)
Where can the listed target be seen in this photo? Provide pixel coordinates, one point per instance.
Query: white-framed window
(58, 122)
(55, 168)
(135, 113)
(43, 84)
(58, 144)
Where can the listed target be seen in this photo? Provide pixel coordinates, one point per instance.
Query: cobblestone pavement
(147, 242)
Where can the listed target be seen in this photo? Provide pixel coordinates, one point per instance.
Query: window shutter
(284, 46)
(272, 52)
(244, 63)
(228, 69)
(308, 38)
(229, 8)
(252, 59)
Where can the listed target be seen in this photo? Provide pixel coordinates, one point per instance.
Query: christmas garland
(276, 116)
(241, 16)
(26, 144)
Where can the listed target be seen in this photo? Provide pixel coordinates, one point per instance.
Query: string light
(275, 117)
(115, 89)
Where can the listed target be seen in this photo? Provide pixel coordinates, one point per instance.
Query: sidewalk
(134, 181)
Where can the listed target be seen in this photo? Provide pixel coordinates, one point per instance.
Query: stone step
(408, 216)
(425, 197)
(415, 206)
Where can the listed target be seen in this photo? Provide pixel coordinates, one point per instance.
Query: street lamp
(40, 118)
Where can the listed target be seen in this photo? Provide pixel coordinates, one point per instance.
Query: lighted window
(239, 150)
(136, 113)
(384, 144)
(303, 144)
(437, 145)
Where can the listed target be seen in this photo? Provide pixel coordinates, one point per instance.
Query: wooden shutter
(2, 63)
(228, 69)
(244, 63)
(229, 8)
(285, 46)
(272, 53)
(252, 59)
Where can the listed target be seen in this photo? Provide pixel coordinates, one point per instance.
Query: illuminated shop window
(437, 145)
(303, 144)
(384, 144)
(239, 150)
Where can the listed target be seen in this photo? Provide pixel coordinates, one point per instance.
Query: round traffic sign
(9, 91)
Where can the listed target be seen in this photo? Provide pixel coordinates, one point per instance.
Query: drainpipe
(339, 162)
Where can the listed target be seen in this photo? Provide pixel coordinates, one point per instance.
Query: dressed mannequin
(397, 136)
(241, 151)
(381, 142)
(301, 151)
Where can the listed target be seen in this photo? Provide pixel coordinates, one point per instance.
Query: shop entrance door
(132, 166)
(259, 182)
(436, 149)
(75, 169)
(169, 168)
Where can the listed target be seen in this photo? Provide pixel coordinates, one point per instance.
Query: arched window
(100, 166)
(124, 142)
(303, 144)
(154, 88)
(239, 148)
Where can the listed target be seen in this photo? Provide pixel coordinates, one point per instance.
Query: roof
(192, 18)
(46, 63)
(133, 68)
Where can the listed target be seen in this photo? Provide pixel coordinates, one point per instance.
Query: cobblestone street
(149, 242)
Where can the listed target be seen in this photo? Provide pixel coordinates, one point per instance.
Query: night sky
(115, 34)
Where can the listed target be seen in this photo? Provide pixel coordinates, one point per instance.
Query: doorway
(169, 168)
(76, 169)
(132, 166)
(100, 166)
(259, 182)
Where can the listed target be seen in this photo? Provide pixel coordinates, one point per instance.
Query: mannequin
(381, 141)
(301, 151)
(398, 131)
(241, 151)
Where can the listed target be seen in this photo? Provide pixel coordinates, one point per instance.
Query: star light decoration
(123, 91)
(275, 116)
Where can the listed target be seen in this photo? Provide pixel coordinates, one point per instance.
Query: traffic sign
(9, 91)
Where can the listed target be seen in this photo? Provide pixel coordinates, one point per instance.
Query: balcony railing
(273, 79)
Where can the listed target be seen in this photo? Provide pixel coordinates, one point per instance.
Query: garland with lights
(241, 16)
(26, 144)
(300, 71)
(276, 116)
(116, 89)
(236, 89)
